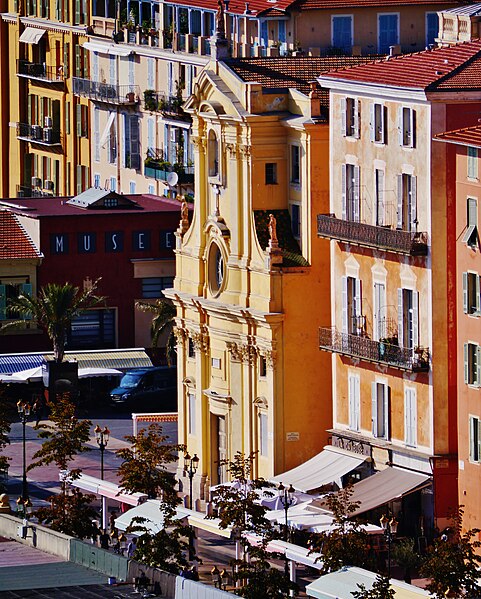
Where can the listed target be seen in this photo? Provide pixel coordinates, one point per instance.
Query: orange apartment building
(464, 193)
(393, 333)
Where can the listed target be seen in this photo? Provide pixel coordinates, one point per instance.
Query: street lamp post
(286, 496)
(24, 412)
(390, 530)
(102, 435)
(190, 466)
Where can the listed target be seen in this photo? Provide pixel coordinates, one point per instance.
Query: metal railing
(40, 71)
(357, 346)
(106, 92)
(158, 102)
(46, 136)
(395, 240)
(24, 191)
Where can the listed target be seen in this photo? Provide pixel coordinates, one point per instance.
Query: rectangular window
(10, 289)
(472, 364)
(92, 329)
(271, 173)
(471, 234)
(472, 162)
(112, 70)
(131, 142)
(151, 189)
(153, 286)
(191, 414)
(388, 32)
(471, 293)
(380, 410)
(381, 329)
(354, 392)
(410, 417)
(216, 363)
(432, 28)
(295, 164)
(350, 121)
(407, 127)
(408, 327)
(378, 114)
(132, 186)
(191, 348)
(379, 195)
(407, 219)
(474, 439)
(351, 192)
(296, 220)
(113, 184)
(132, 69)
(263, 435)
(150, 73)
(352, 319)
(97, 180)
(262, 366)
(96, 134)
(342, 33)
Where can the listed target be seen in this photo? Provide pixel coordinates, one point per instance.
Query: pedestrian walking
(37, 409)
(104, 539)
(131, 547)
(113, 517)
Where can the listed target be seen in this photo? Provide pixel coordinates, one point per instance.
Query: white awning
(383, 487)
(324, 468)
(150, 510)
(31, 35)
(106, 131)
(104, 488)
(111, 49)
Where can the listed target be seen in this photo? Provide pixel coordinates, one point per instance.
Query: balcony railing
(24, 191)
(394, 240)
(106, 92)
(45, 136)
(40, 72)
(160, 170)
(363, 348)
(158, 102)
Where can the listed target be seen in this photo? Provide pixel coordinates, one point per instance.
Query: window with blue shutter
(432, 28)
(342, 33)
(388, 32)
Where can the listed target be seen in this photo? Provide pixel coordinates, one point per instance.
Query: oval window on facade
(216, 269)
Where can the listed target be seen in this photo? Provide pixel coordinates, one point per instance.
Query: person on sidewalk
(104, 539)
(131, 547)
(37, 409)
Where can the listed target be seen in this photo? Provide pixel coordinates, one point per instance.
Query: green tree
(452, 563)
(163, 321)
(145, 469)
(346, 543)
(405, 555)
(53, 309)
(381, 589)
(238, 508)
(71, 513)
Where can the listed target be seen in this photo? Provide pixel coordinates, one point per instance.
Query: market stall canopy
(341, 584)
(383, 487)
(324, 468)
(34, 375)
(104, 488)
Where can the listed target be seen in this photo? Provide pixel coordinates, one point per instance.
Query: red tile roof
(238, 7)
(14, 240)
(469, 136)
(455, 67)
(332, 4)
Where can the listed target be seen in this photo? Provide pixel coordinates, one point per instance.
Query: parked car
(154, 387)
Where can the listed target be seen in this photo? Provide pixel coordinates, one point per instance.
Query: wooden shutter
(77, 12)
(66, 48)
(78, 113)
(344, 191)
(357, 396)
(400, 125)
(400, 202)
(477, 424)
(134, 143)
(414, 212)
(386, 398)
(3, 302)
(383, 124)
(78, 61)
(372, 124)
(343, 116)
(344, 306)
(357, 194)
(126, 152)
(466, 363)
(412, 124)
(472, 437)
(374, 409)
(415, 315)
(150, 73)
(357, 118)
(465, 292)
(96, 134)
(400, 318)
(478, 297)
(358, 304)
(381, 216)
(151, 133)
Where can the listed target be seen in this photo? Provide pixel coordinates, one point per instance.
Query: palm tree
(163, 321)
(53, 309)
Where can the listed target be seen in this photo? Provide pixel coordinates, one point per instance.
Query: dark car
(154, 387)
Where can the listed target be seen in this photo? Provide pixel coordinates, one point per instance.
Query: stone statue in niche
(272, 226)
(219, 20)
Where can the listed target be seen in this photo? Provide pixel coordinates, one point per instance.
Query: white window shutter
(477, 423)
(344, 305)
(466, 363)
(400, 202)
(380, 191)
(343, 116)
(414, 212)
(465, 292)
(357, 194)
(357, 396)
(478, 365)
(407, 415)
(372, 124)
(374, 409)
(357, 118)
(415, 319)
(351, 401)
(358, 304)
(344, 191)
(150, 73)
(400, 126)
(471, 437)
(400, 318)
(150, 133)
(387, 392)
(383, 124)
(412, 125)
(478, 296)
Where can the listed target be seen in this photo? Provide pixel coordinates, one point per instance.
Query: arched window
(213, 153)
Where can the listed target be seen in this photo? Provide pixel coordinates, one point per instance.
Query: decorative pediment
(216, 227)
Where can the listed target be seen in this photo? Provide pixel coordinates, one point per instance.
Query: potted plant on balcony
(389, 348)
(150, 100)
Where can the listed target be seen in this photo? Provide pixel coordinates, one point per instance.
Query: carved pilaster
(245, 151)
(181, 335)
(231, 149)
(248, 354)
(200, 143)
(271, 358)
(201, 340)
(233, 348)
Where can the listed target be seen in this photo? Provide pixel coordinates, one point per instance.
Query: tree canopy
(163, 321)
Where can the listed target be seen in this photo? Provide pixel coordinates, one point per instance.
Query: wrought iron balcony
(44, 136)
(394, 240)
(40, 72)
(124, 95)
(171, 105)
(157, 167)
(363, 348)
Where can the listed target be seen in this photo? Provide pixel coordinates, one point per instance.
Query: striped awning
(120, 359)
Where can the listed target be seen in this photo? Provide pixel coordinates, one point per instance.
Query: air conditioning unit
(48, 185)
(47, 121)
(36, 182)
(47, 134)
